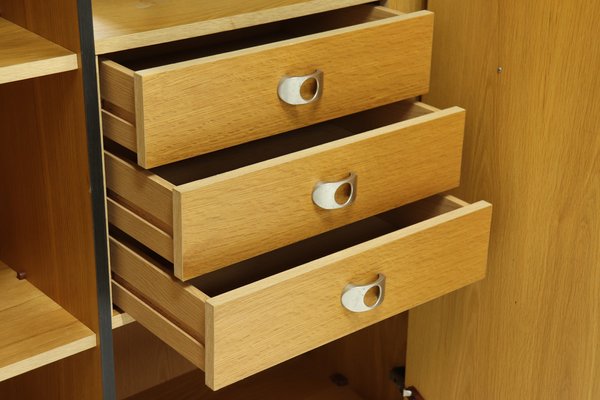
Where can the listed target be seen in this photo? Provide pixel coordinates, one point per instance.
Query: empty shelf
(34, 330)
(25, 55)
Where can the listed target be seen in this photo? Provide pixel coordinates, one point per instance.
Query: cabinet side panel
(531, 330)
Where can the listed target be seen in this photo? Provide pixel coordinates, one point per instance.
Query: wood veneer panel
(405, 5)
(125, 24)
(531, 330)
(143, 361)
(55, 20)
(34, 330)
(46, 215)
(24, 54)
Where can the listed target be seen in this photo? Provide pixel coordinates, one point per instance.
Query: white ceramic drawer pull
(324, 193)
(290, 88)
(353, 296)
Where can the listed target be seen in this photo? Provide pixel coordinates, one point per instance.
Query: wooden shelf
(25, 55)
(34, 330)
(120, 318)
(298, 379)
(126, 24)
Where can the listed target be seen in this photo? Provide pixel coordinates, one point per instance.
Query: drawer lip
(147, 99)
(428, 148)
(165, 69)
(422, 261)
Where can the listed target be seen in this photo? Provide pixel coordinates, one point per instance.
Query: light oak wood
(117, 92)
(140, 229)
(226, 99)
(421, 262)
(531, 329)
(159, 325)
(121, 25)
(34, 330)
(180, 302)
(421, 157)
(25, 55)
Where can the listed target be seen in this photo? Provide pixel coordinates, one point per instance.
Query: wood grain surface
(420, 262)
(395, 165)
(532, 148)
(120, 25)
(24, 54)
(34, 330)
(140, 229)
(148, 194)
(179, 301)
(171, 334)
(46, 212)
(246, 81)
(143, 361)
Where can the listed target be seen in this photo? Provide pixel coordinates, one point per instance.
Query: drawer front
(195, 107)
(260, 325)
(244, 213)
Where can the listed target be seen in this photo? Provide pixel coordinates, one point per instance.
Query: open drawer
(252, 315)
(233, 87)
(224, 207)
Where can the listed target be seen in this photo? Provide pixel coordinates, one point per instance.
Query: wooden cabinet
(224, 243)
(270, 173)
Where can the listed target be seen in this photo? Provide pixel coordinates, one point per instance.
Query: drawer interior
(260, 267)
(218, 43)
(229, 159)
(277, 261)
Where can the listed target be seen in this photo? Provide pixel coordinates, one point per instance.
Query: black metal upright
(97, 190)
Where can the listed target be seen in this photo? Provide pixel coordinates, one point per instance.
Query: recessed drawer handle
(324, 193)
(290, 88)
(353, 296)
